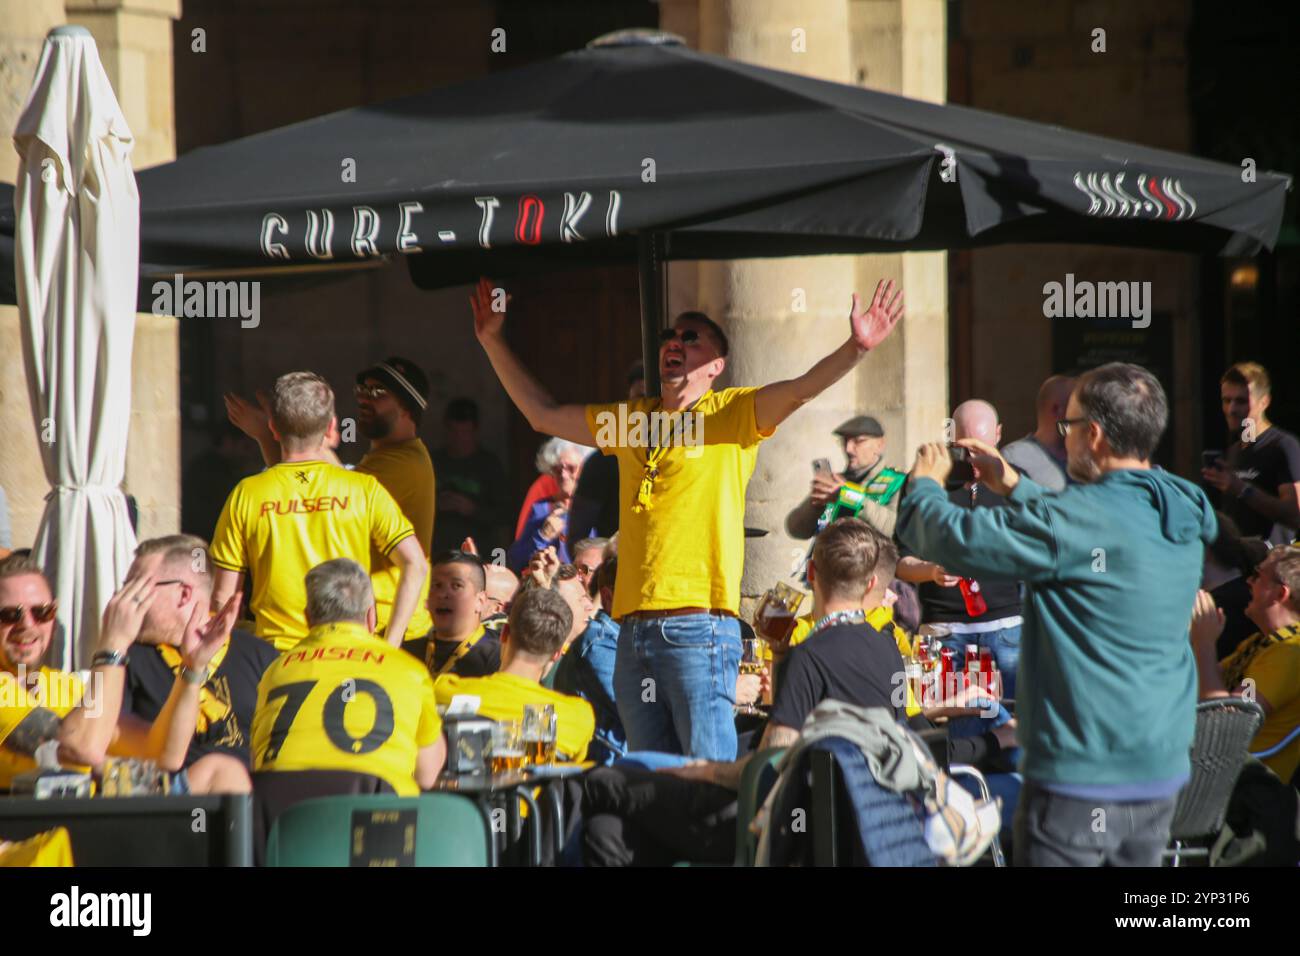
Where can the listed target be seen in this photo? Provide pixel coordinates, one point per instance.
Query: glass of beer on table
(539, 734)
(507, 746)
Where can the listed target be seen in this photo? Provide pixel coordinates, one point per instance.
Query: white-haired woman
(542, 519)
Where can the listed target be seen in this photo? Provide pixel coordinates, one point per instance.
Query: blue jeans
(675, 683)
(1004, 645)
(649, 760)
(590, 675)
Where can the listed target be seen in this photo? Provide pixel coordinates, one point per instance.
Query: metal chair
(755, 782)
(1224, 729)
(966, 770)
(332, 831)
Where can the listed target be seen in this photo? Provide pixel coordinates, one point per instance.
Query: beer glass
(775, 617)
(550, 734)
(753, 660)
(507, 746)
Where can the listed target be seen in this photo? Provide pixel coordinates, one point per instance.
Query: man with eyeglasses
(1107, 683)
(863, 441)
(681, 510)
(224, 700)
(42, 706)
(391, 398)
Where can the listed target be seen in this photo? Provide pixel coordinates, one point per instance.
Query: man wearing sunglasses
(40, 705)
(681, 511)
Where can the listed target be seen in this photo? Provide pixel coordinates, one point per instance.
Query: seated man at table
(635, 816)
(158, 670)
(458, 599)
(40, 705)
(587, 670)
(540, 621)
(343, 712)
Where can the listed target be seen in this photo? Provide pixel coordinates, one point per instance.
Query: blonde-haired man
(305, 510)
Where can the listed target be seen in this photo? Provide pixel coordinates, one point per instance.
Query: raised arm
(544, 414)
(868, 327)
(410, 559)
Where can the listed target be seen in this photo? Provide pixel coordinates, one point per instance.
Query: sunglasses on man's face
(687, 336)
(370, 392)
(41, 613)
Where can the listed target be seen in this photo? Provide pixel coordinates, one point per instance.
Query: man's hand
(748, 689)
(932, 461)
(872, 325)
(205, 635)
(487, 322)
(250, 419)
(553, 525)
(457, 503)
(1207, 620)
(991, 470)
(1006, 734)
(825, 489)
(543, 566)
(1224, 480)
(940, 576)
(125, 611)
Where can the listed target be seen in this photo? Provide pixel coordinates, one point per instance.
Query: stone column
(784, 314)
(135, 44)
(23, 25)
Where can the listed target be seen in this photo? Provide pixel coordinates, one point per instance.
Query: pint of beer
(775, 618)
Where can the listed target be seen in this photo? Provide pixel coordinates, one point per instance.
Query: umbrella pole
(654, 300)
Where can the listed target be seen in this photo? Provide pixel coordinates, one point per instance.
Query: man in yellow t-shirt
(39, 704)
(540, 622)
(685, 460)
(1265, 667)
(344, 702)
(304, 510)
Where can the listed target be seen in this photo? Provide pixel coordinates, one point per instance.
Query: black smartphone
(962, 469)
(1210, 457)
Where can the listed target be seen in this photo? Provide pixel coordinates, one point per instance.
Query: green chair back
(755, 782)
(449, 831)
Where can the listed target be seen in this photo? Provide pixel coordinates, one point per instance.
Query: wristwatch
(108, 659)
(191, 676)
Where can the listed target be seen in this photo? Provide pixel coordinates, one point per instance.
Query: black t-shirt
(482, 659)
(595, 500)
(946, 605)
(1269, 462)
(853, 663)
(149, 682)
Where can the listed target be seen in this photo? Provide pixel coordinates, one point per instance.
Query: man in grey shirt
(1041, 454)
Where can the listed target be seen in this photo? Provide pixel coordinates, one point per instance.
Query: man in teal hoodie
(1106, 691)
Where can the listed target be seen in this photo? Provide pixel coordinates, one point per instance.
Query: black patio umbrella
(659, 151)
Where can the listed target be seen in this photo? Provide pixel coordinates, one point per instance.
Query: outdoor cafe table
(495, 791)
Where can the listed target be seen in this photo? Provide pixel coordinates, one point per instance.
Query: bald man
(997, 627)
(1041, 453)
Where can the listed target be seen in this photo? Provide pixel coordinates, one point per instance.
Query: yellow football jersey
(281, 523)
(56, 690)
(406, 471)
(342, 699)
(503, 696)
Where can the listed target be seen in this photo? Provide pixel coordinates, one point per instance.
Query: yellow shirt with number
(55, 690)
(281, 523)
(688, 548)
(343, 699)
(406, 471)
(503, 697)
